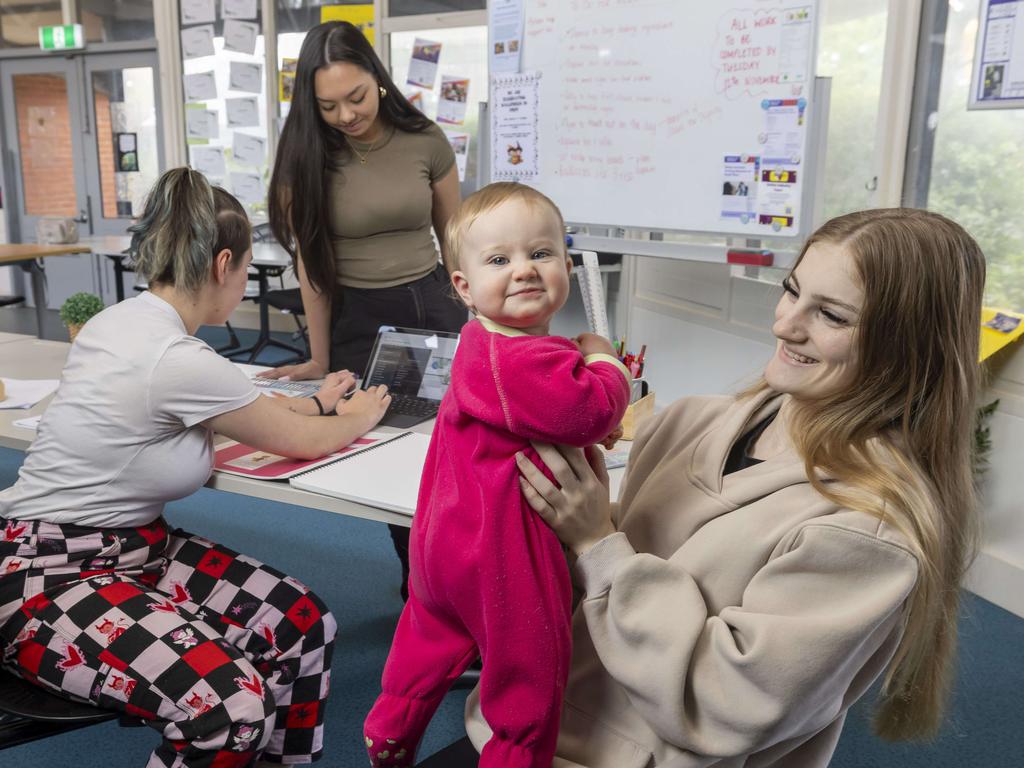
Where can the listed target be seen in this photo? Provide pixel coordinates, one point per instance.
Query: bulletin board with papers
(663, 114)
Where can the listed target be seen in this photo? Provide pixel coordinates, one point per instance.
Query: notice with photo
(197, 42)
(246, 76)
(514, 127)
(423, 66)
(452, 106)
(202, 86)
(242, 113)
(240, 36)
(198, 12)
(460, 145)
(505, 21)
(249, 150)
(209, 161)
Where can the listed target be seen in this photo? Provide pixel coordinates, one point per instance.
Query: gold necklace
(362, 157)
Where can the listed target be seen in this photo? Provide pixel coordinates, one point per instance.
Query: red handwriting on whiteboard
(746, 52)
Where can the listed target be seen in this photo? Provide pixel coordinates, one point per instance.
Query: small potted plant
(77, 310)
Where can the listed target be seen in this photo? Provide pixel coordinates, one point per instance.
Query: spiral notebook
(592, 289)
(385, 476)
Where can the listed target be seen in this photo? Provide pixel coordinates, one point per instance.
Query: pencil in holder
(636, 414)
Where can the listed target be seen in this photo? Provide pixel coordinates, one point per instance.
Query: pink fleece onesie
(488, 576)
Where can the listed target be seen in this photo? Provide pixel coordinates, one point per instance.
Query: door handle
(83, 217)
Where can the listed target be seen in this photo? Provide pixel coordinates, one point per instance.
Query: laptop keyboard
(412, 406)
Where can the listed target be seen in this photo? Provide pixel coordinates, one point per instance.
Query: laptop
(416, 366)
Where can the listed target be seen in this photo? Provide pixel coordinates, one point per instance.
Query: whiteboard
(670, 114)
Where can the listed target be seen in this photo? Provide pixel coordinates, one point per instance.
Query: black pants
(357, 313)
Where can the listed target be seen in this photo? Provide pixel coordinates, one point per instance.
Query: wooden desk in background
(29, 257)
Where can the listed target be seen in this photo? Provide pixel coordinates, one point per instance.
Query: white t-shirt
(122, 435)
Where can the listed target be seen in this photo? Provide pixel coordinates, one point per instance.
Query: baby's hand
(609, 442)
(592, 344)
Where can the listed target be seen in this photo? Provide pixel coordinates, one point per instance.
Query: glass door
(125, 140)
(44, 128)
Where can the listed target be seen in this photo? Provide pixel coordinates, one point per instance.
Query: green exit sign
(61, 38)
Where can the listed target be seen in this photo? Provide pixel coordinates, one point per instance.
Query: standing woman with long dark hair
(360, 179)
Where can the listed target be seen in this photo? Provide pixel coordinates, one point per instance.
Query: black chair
(10, 301)
(29, 713)
(289, 302)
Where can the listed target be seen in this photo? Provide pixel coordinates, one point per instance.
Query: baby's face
(513, 266)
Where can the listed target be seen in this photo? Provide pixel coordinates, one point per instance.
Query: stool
(29, 713)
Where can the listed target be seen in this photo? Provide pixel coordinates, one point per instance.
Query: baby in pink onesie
(488, 577)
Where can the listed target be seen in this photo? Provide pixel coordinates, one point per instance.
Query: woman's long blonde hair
(898, 440)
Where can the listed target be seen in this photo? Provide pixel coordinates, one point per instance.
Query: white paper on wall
(209, 161)
(249, 150)
(242, 113)
(247, 187)
(246, 76)
(240, 36)
(239, 9)
(202, 86)
(201, 124)
(198, 12)
(197, 42)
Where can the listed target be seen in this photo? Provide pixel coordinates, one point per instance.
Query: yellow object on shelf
(999, 327)
(636, 414)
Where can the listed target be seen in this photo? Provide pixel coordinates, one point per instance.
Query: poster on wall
(514, 127)
(127, 145)
(997, 79)
(423, 66)
(505, 34)
(460, 145)
(360, 16)
(452, 106)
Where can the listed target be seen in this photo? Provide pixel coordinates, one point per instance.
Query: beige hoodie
(731, 621)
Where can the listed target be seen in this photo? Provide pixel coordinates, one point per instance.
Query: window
(124, 20)
(463, 54)
(977, 170)
(851, 46)
(20, 22)
(416, 7)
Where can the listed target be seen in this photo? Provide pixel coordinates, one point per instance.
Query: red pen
(643, 351)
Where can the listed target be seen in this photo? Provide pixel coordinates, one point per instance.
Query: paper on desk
(32, 422)
(24, 393)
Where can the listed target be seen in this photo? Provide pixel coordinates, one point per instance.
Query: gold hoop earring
(383, 91)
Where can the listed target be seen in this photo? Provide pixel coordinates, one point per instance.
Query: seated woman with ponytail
(99, 600)
(772, 554)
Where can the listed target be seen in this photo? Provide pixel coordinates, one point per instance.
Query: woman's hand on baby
(592, 344)
(311, 369)
(334, 388)
(579, 511)
(368, 404)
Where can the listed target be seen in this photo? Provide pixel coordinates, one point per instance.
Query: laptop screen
(412, 362)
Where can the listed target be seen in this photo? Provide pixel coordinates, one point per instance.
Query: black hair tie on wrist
(319, 405)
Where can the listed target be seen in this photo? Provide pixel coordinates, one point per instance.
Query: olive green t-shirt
(380, 210)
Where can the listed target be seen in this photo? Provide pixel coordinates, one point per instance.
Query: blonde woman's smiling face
(815, 323)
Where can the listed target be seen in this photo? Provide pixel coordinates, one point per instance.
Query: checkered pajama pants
(224, 655)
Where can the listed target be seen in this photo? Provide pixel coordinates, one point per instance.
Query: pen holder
(636, 413)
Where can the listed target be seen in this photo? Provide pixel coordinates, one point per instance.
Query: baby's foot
(387, 753)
